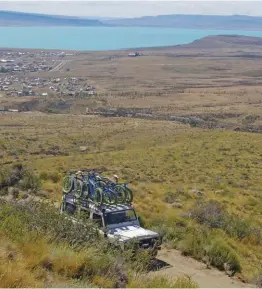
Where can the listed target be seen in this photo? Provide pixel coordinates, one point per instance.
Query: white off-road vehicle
(119, 223)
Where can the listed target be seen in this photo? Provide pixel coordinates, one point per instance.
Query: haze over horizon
(129, 9)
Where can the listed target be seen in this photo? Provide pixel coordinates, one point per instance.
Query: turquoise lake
(103, 38)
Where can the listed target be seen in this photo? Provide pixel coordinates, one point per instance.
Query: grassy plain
(174, 168)
(200, 188)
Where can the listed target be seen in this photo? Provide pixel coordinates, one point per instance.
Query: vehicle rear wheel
(69, 208)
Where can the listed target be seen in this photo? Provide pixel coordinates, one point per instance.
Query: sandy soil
(175, 265)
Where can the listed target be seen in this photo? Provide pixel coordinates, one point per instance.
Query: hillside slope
(225, 41)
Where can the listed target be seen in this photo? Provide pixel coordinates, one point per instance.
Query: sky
(134, 8)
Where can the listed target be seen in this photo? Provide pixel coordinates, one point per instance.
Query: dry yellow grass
(158, 156)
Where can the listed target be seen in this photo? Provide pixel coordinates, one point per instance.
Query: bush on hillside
(193, 243)
(20, 177)
(45, 220)
(213, 215)
(222, 256)
(202, 245)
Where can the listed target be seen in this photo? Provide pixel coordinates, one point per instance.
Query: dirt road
(176, 265)
(60, 65)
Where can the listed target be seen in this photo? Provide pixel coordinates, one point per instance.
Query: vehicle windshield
(120, 217)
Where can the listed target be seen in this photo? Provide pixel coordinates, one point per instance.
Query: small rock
(13, 191)
(83, 148)
(21, 183)
(219, 191)
(228, 270)
(177, 204)
(197, 192)
(10, 190)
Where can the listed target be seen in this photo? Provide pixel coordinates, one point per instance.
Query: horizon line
(137, 17)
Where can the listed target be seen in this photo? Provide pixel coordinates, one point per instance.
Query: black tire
(79, 189)
(85, 191)
(69, 208)
(109, 198)
(129, 195)
(120, 194)
(98, 196)
(101, 184)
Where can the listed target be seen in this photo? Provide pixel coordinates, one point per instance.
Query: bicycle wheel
(85, 191)
(79, 188)
(68, 184)
(109, 197)
(101, 184)
(129, 195)
(98, 196)
(120, 194)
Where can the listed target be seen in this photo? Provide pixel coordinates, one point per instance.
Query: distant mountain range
(193, 21)
(10, 18)
(240, 22)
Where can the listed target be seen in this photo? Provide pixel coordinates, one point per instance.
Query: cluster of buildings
(135, 54)
(16, 86)
(20, 75)
(15, 61)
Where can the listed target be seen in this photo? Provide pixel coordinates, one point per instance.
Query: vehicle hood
(130, 232)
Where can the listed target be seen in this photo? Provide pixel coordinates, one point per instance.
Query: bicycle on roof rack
(82, 186)
(88, 184)
(123, 193)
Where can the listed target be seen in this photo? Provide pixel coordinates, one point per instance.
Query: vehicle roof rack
(96, 170)
(88, 204)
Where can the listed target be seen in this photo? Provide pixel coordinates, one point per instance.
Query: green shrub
(220, 255)
(203, 245)
(193, 243)
(240, 228)
(47, 221)
(44, 176)
(20, 177)
(211, 214)
(30, 182)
